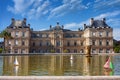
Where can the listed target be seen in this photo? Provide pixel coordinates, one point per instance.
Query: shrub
(117, 49)
(1, 50)
(52, 51)
(65, 51)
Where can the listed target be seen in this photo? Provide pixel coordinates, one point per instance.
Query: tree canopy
(5, 34)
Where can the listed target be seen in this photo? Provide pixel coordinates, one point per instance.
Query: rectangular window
(107, 34)
(47, 43)
(75, 43)
(47, 35)
(93, 42)
(107, 43)
(100, 42)
(58, 43)
(80, 35)
(23, 34)
(68, 43)
(40, 44)
(43, 35)
(33, 43)
(81, 43)
(16, 42)
(108, 51)
(33, 50)
(23, 42)
(9, 42)
(16, 34)
(93, 51)
(75, 50)
(101, 51)
(38, 35)
(16, 50)
(23, 51)
(81, 51)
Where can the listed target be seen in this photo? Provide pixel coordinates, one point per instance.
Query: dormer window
(100, 34)
(93, 33)
(23, 34)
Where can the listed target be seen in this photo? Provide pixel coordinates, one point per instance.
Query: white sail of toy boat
(16, 62)
(71, 57)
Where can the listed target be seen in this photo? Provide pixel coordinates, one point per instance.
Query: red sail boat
(108, 65)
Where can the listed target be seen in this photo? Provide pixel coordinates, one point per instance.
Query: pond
(57, 65)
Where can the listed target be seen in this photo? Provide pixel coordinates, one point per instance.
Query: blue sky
(70, 13)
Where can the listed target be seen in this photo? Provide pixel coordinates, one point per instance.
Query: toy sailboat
(71, 57)
(16, 62)
(108, 64)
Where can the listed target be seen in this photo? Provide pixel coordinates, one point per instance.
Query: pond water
(57, 65)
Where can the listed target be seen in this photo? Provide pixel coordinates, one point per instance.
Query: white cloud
(101, 4)
(111, 20)
(30, 8)
(116, 32)
(67, 6)
(20, 6)
(75, 26)
(71, 25)
(38, 8)
(108, 14)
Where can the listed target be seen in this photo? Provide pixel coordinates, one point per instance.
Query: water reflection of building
(58, 65)
(11, 70)
(58, 39)
(86, 66)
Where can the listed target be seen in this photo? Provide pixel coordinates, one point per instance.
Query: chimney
(12, 20)
(104, 20)
(50, 26)
(24, 20)
(28, 25)
(62, 27)
(57, 23)
(84, 26)
(91, 21)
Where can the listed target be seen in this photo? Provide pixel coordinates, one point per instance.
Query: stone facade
(57, 39)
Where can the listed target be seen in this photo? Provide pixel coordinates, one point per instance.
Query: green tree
(5, 35)
(1, 50)
(117, 49)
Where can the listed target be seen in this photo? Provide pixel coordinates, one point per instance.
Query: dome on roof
(99, 23)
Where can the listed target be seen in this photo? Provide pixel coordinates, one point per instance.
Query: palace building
(58, 39)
